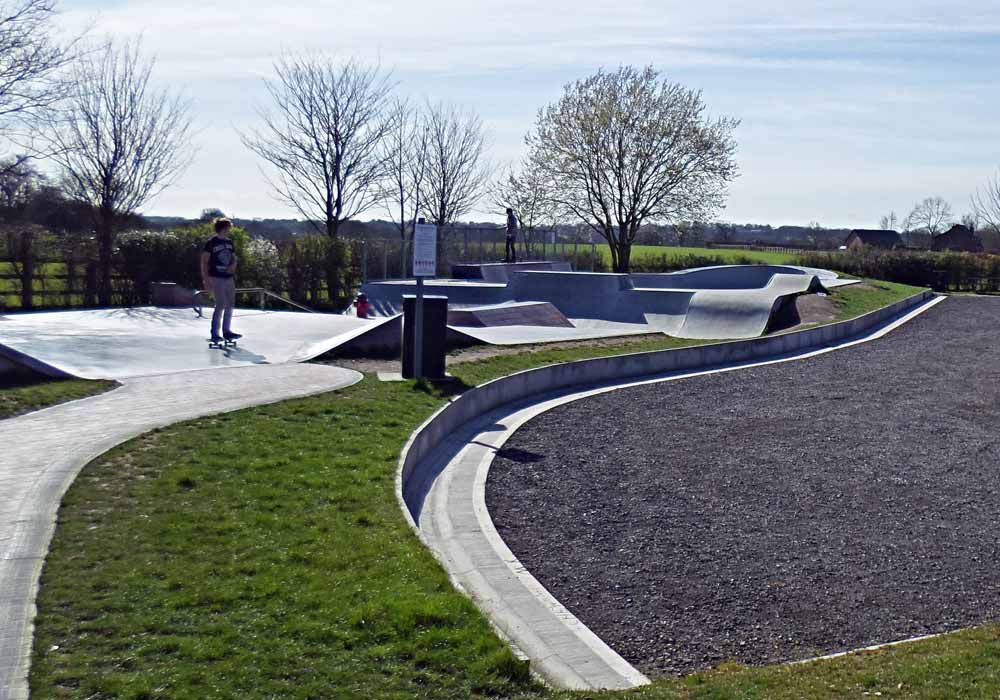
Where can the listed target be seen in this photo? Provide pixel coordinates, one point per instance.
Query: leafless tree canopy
(986, 203)
(929, 216)
(119, 140)
(888, 222)
(457, 172)
(623, 148)
(31, 59)
(323, 137)
(405, 158)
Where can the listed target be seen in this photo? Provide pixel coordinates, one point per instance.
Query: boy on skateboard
(218, 268)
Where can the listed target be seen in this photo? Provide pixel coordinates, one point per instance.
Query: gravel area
(774, 513)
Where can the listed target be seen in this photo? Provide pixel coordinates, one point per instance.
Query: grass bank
(261, 554)
(644, 255)
(25, 395)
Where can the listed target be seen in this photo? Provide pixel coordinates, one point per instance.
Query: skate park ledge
(424, 454)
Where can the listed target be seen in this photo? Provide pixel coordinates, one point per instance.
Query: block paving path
(42, 452)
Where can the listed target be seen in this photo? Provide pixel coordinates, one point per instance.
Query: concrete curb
(445, 438)
(517, 387)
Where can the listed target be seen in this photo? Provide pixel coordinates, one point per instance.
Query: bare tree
(623, 148)
(889, 221)
(457, 171)
(986, 203)
(406, 165)
(929, 216)
(119, 142)
(323, 137)
(19, 180)
(31, 60)
(528, 193)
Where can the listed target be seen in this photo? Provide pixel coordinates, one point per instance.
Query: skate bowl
(140, 341)
(712, 303)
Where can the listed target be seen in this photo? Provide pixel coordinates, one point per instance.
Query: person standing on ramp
(218, 270)
(510, 252)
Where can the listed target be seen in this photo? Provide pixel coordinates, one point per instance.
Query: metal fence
(392, 259)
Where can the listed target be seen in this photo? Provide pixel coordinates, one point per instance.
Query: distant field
(728, 255)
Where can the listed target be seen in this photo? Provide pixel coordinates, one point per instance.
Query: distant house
(959, 238)
(874, 238)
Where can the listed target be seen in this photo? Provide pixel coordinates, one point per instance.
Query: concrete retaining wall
(412, 485)
(16, 363)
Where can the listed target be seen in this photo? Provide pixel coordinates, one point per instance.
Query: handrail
(264, 293)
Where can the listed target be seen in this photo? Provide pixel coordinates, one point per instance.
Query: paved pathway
(42, 453)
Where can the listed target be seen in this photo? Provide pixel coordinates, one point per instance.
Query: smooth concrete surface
(44, 451)
(718, 303)
(435, 497)
(130, 342)
(501, 272)
(582, 329)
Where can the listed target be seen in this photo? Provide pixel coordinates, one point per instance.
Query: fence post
(593, 256)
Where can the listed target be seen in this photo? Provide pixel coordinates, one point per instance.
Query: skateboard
(224, 344)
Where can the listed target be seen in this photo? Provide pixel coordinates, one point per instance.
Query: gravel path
(775, 513)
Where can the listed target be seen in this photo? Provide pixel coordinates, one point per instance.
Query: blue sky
(849, 109)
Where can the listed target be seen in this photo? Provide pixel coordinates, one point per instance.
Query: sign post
(424, 265)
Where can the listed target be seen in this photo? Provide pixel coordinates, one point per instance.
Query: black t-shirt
(222, 254)
(511, 226)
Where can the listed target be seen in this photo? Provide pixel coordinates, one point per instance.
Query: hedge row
(312, 270)
(943, 272)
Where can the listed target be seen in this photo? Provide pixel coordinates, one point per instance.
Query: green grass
(727, 255)
(870, 295)
(26, 396)
(261, 554)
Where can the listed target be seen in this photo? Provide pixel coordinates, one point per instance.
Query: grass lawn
(25, 396)
(262, 554)
(727, 255)
(856, 300)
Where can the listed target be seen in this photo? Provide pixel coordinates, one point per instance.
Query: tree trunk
(105, 250)
(26, 255)
(624, 257)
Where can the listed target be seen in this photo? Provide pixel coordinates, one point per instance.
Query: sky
(849, 109)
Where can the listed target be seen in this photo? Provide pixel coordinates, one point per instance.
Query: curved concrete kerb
(443, 471)
(44, 451)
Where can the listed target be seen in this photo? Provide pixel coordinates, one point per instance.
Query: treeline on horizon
(812, 237)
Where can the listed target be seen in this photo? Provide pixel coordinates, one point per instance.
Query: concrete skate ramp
(718, 277)
(582, 329)
(387, 297)
(120, 343)
(528, 313)
(501, 272)
(731, 301)
(746, 313)
(576, 294)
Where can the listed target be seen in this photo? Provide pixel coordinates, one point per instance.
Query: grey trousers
(224, 292)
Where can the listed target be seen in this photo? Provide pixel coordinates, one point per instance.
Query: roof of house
(959, 236)
(877, 237)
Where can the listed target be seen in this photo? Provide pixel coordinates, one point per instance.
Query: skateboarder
(218, 268)
(510, 252)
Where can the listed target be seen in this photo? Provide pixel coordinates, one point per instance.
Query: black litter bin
(435, 335)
